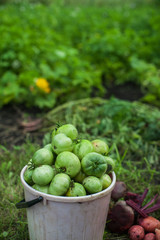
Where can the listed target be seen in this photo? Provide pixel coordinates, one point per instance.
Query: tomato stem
(62, 169)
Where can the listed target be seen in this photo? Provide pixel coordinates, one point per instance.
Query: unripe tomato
(69, 130)
(49, 147)
(39, 188)
(43, 175)
(110, 163)
(59, 184)
(28, 176)
(76, 190)
(61, 143)
(69, 163)
(94, 164)
(100, 146)
(82, 148)
(92, 184)
(106, 181)
(43, 157)
(80, 177)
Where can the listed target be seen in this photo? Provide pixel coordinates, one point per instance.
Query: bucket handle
(23, 204)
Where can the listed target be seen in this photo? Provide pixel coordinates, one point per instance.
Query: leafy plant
(78, 58)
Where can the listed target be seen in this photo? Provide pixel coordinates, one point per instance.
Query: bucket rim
(54, 198)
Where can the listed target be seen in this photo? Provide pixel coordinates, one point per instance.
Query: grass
(135, 148)
(13, 222)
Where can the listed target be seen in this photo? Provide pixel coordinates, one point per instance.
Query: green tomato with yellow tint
(61, 143)
(59, 184)
(106, 181)
(76, 190)
(39, 188)
(43, 175)
(94, 164)
(100, 146)
(69, 163)
(82, 148)
(42, 157)
(92, 184)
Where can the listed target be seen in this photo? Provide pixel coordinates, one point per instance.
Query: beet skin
(121, 217)
(118, 191)
(149, 223)
(150, 236)
(136, 232)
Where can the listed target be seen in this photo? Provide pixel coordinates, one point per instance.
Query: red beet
(149, 223)
(150, 236)
(121, 217)
(119, 190)
(157, 232)
(136, 232)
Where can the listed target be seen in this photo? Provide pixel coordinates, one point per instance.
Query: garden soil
(18, 123)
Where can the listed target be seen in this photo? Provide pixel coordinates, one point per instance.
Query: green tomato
(42, 157)
(82, 148)
(61, 143)
(100, 146)
(69, 130)
(53, 132)
(59, 184)
(76, 190)
(68, 163)
(106, 181)
(39, 188)
(49, 147)
(94, 164)
(54, 170)
(28, 176)
(43, 175)
(110, 163)
(80, 177)
(92, 184)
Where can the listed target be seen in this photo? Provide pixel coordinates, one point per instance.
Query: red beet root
(119, 191)
(121, 217)
(136, 232)
(150, 236)
(149, 223)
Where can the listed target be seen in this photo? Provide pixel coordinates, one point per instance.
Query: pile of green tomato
(70, 167)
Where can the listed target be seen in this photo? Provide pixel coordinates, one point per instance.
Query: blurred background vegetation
(55, 51)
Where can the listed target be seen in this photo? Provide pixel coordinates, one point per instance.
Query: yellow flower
(43, 84)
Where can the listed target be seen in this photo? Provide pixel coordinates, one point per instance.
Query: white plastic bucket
(67, 218)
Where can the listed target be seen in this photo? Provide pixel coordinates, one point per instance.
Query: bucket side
(69, 221)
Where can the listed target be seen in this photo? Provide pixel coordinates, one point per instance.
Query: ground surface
(13, 118)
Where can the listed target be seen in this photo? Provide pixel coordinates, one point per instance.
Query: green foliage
(72, 53)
